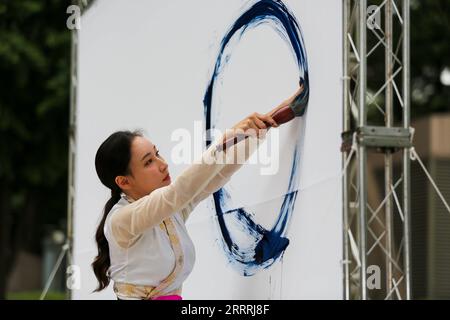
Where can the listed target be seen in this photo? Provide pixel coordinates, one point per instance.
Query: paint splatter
(248, 246)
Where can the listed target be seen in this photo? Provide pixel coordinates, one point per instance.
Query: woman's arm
(255, 126)
(194, 183)
(131, 220)
(242, 151)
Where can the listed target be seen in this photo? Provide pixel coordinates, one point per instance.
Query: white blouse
(140, 251)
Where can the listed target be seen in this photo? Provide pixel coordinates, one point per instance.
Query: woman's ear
(123, 182)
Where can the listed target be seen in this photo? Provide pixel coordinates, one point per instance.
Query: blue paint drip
(264, 246)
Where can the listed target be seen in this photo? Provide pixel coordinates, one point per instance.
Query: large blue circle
(267, 245)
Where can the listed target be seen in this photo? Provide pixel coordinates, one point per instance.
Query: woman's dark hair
(111, 160)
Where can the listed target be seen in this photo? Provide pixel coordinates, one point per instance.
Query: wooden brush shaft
(281, 116)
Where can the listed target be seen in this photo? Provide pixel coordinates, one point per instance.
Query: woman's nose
(163, 166)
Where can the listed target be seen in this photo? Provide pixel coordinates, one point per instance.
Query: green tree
(430, 54)
(34, 112)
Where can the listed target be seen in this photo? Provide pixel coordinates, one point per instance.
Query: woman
(143, 244)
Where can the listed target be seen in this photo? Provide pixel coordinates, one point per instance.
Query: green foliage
(34, 108)
(430, 54)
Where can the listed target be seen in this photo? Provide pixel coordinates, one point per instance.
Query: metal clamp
(380, 138)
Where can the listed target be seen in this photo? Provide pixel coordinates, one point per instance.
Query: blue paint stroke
(249, 246)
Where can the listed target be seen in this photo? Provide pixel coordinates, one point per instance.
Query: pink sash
(172, 297)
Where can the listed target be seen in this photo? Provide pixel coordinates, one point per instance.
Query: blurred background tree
(34, 115)
(34, 110)
(430, 56)
(430, 60)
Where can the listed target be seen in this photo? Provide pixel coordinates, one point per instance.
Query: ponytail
(102, 262)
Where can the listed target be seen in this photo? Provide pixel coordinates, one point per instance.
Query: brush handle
(281, 116)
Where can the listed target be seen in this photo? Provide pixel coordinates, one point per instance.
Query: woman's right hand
(253, 124)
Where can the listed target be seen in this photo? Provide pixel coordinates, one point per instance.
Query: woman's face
(149, 170)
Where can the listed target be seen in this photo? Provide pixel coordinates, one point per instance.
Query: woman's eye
(148, 162)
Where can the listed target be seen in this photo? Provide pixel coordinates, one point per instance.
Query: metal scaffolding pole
(362, 156)
(406, 151)
(82, 4)
(71, 165)
(388, 165)
(345, 154)
(376, 242)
